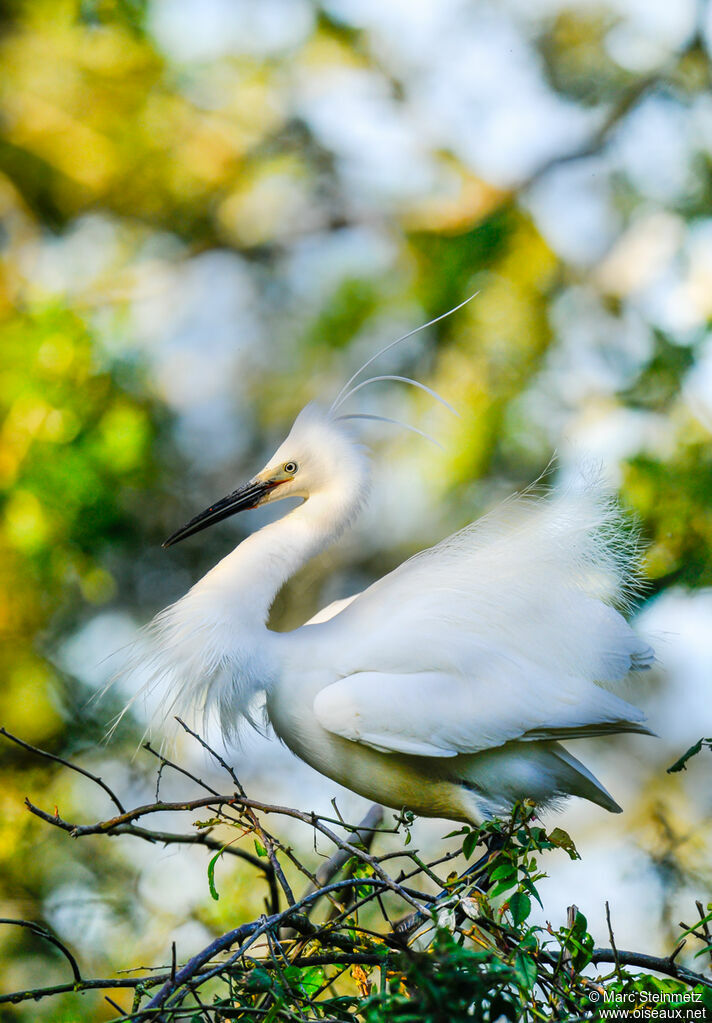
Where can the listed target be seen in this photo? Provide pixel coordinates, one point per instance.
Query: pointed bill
(242, 499)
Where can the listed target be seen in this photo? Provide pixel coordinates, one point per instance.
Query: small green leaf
(211, 874)
(704, 920)
(260, 849)
(505, 884)
(470, 844)
(258, 980)
(681, 764)
(308, 979)
(520, 906)
(505, 870)
(526, 883)
(562, 840)
(580, 925)
(312, 978)
(524, 970)
(460, 831)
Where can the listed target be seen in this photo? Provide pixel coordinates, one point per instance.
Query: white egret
(447, 686)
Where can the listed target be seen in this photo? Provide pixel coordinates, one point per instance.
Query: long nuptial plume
(347, 391)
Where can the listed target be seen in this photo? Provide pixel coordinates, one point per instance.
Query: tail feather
(581, 782)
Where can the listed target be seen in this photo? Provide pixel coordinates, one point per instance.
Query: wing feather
(504, 631)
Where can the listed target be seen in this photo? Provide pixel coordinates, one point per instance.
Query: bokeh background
(213, 211)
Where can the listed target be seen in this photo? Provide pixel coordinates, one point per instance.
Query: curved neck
(250, 577)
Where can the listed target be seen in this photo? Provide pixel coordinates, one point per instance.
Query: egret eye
(290, 467)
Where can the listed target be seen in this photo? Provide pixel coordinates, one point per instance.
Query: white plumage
(445, 687)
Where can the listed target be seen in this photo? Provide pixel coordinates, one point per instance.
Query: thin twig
(364, 836)
(312, 819)
(214, 754)
(114, 1005)
(65, 763)
(659, 964)
(613, 941)
(705, 926)
(165, 762)
(165, 837)
(42, 932)
(266, 839)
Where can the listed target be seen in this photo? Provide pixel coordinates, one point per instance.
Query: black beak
(239, 500)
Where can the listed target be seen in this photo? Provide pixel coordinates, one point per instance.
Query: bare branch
(338, 938)
(613, 941)
(48, 936)
(658, 964)
(213, 754)
(65, 763)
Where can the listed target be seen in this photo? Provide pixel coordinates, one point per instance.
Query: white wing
(332, 609)
(500, 632)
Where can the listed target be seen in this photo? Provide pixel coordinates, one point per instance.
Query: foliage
(681, 763)
(473, 949)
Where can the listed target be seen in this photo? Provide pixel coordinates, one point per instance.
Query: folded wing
(504, 631)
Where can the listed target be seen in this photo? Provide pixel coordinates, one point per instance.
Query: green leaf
(503, 886)
(260, 849)
(309, 978)
(505, 870)
(529, 885)
(704, 920)
(524, 970)
(258, 980)
(470, 844)
(681, 764)
(580, 925)
(211, 873)
(520, 906)
(460, 831)
(562, 840)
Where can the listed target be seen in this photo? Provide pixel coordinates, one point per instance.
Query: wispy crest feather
(392, 344)
(394, 422)
(399, 379)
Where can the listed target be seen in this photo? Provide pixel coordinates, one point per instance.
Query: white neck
(249, 578)
(212, 648)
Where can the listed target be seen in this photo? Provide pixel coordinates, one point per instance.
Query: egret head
(319, 457)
